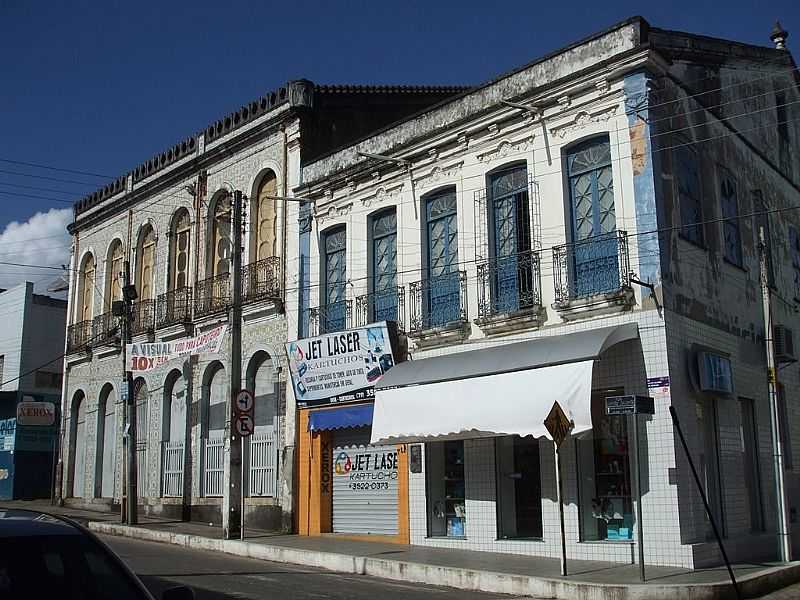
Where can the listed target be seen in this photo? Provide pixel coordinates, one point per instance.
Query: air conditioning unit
(784, 344)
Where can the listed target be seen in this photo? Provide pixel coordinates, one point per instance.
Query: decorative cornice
(506, 148)
(382, 194)
(584, 118)
(333, 212)
(437, 174)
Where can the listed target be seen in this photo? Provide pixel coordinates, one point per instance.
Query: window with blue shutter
(595, 256)
(731, 234)
(794, 248)
(511, 233)
(689, 196)
(442, 296)
(335, 313)
(384, 266)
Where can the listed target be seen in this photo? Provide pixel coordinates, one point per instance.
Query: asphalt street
(216, 576)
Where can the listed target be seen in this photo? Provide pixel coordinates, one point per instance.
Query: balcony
(510, 293)
(439, 309)
(144, 312)
(330, 318)
(383, 305)
(212, 295)
(174, 307)
(262, 280)
(105, 330)
(592, 277)
(79, 336)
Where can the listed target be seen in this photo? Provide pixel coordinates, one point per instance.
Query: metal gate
(364, 484)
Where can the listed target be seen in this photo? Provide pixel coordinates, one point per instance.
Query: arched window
(145, 263)
(221, 237)
(86, 290)
(78, 446)
(106, 442)
(142, 396)
(265, 218)
(180, 249)
(114, 274)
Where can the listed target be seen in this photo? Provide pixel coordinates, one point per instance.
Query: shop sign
(8, 429)
(36, 413)
(146, 357)
(366, 469)
(340, 367)
(629, 405)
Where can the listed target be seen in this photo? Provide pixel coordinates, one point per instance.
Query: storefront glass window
(519, 488)
(447, 514)
(604, 471)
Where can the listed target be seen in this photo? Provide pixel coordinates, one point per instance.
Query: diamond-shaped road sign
(558, 425)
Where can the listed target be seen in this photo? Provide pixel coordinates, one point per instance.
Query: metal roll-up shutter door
(364, 484)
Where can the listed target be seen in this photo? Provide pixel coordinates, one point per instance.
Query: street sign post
(559, 427)
(243, 424)
(634, 406)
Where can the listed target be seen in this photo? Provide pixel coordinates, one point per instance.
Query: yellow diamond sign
(558, 425)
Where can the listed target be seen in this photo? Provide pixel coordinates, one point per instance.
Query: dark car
(45, 556)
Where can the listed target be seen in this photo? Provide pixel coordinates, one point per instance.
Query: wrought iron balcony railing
(262, 280)
(79, 336)
(212, 295)
(330, 317)
(383, 305)
(174, 307)
(438, 301)
(509, 284)
(105, 330)
(599, 265)
(144, 312)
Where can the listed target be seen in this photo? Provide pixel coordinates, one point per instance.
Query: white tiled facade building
(620, 180)
(171, 219)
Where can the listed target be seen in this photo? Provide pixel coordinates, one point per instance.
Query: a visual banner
(145, 357)
(339, 367)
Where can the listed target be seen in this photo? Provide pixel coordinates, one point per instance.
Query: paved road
(216, 576)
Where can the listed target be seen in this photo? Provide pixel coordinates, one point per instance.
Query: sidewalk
(469, 570)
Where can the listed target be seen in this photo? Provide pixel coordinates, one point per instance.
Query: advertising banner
(145, 357)
(339, 367)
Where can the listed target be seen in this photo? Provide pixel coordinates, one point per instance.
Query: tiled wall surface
(627, 365)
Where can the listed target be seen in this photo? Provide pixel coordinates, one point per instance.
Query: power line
(58, 179)
(18, 194)
(34, 187)
(49, 168)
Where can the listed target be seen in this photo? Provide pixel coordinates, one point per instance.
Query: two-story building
(580, 228)
(31, 363)
(170, 219)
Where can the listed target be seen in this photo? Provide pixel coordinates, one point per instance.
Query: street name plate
(557, 424)
(629, 405)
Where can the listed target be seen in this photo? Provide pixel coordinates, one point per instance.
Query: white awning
(504, 390)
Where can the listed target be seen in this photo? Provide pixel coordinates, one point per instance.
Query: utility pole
(232, 501)
(128, 296)
(772, 373)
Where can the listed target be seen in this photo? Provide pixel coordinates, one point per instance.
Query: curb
(751, 586)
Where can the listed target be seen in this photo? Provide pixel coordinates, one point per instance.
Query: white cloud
(41, 240)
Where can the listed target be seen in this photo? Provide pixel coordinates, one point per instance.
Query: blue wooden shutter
(335, 313)
(384, 267)
(595, 260)
(443, 297)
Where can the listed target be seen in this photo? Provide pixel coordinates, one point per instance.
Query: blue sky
(101, 86)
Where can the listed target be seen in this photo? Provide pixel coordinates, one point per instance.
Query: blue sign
(8, 430)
